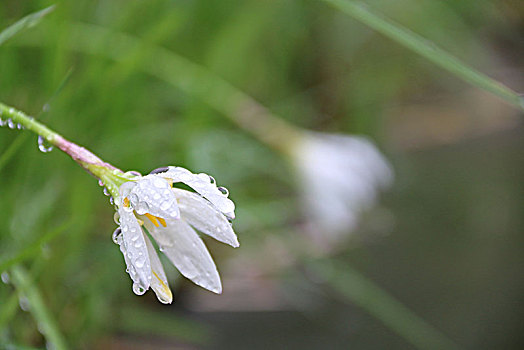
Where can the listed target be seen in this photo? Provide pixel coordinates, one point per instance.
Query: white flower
(341, 177)
(171, 215)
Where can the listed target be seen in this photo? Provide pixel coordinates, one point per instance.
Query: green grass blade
(190, 77)
(8, 309)
(426, 49)
(26, 22)
(34, 248)
(38, 309)
(20, 139)
(361, 291)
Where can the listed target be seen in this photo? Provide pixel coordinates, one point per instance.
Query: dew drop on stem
(5, 277)
(43, 145)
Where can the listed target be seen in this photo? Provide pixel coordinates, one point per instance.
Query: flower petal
(203, 216)
(133, 247)
(187, 252)
(203, 184)
(158, 279)
(151, 194)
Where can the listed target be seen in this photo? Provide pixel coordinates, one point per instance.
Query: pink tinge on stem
(80, 154)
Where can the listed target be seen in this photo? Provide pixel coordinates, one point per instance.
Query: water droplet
(163, 300)
(224, 191)
(19, 126)
(106, 192)
(50, 346)
(43, 145)
(212, 179)
(117, 236)
(116, 218)
(133, 198)
(142, 208)
(111, 200)
(165, 205)
(24, 303)
(10, 124)
(140, 262)
(138, 289)
(159, 170)
(100, 183)
(5, 277)
(134, 173)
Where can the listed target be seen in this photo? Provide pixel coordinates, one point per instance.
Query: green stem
(426, 49)
(20, 118)
(42, 315)
(112, 177)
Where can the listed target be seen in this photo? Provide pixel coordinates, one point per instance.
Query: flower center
(155, 220)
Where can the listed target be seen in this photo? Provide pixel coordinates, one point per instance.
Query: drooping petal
(133, 247)
(204, 185)
(203, 216)
(158, 279)
(151, 194)
(186, 250)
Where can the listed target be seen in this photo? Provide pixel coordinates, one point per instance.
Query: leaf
(426, 49)
(42, 315)
(28, 21)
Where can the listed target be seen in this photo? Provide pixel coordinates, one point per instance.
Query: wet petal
(133, 247)
(203, 216)
(158, 279)
(187, 252)
(152, 194)
(205, 186)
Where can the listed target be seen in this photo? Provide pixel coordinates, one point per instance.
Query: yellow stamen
(153, 219)
(126, 202)
(162, 221)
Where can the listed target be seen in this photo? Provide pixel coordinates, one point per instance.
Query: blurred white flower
(171, 215)
(341, 176)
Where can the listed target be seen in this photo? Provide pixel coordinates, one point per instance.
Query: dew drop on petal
(142, 208)
(117, 236)
(116, 218)
(224, 191)
(43, 145)
(165, 205)
(5, 277)
(162, 300)
(159, 170)
(140, 262)
(138, 289)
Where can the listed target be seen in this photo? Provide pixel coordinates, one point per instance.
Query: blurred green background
(446, 241)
